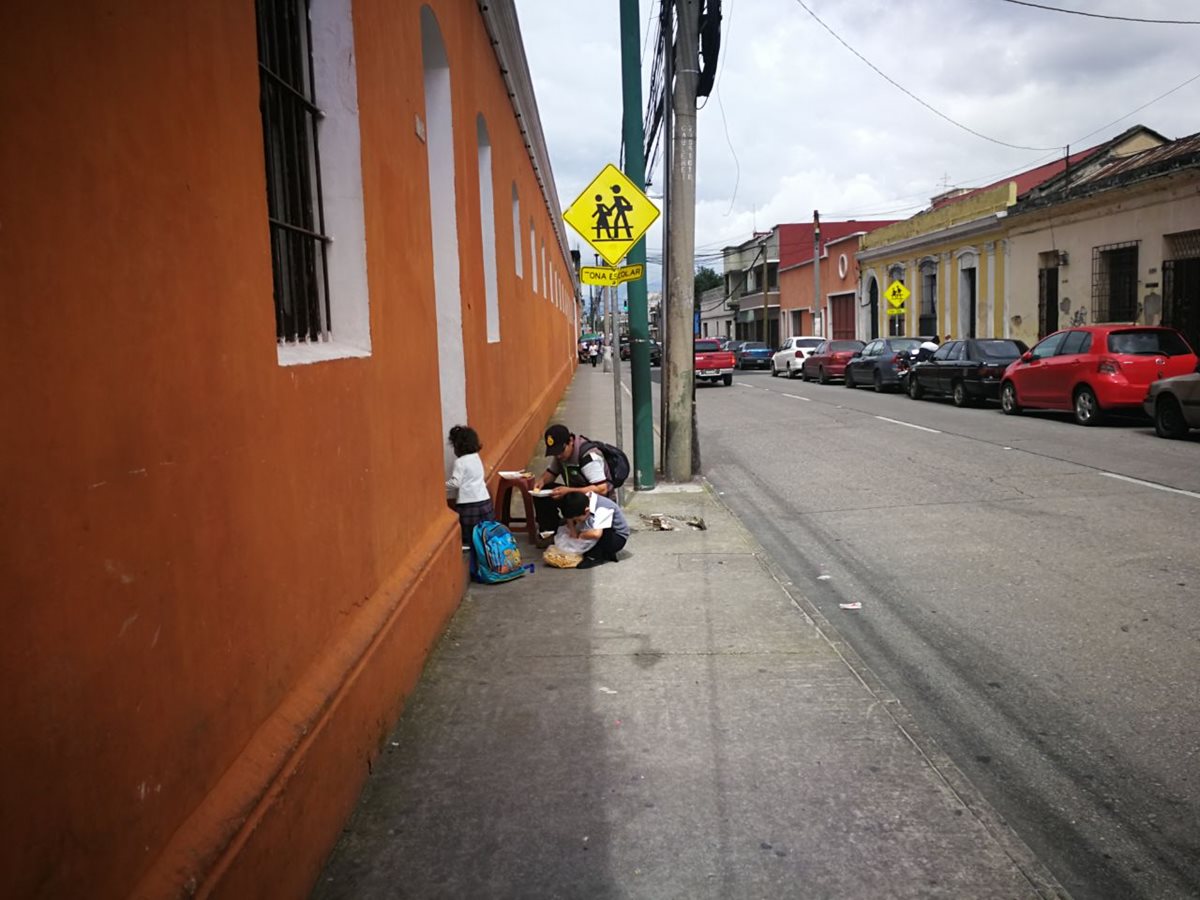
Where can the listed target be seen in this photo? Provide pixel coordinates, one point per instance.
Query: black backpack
(614, 457)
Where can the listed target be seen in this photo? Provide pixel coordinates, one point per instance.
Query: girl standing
(466, 484)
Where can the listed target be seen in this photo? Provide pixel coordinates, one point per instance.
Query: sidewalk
(680, 724)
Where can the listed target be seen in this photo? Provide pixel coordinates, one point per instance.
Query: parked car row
(1089, 371)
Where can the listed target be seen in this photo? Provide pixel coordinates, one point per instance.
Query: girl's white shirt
(467, 480)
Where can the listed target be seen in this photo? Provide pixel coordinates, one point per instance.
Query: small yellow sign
(611, 214)
(897, 310)
(897, 293)
(610, 277)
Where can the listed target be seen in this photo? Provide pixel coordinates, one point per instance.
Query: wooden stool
(527, 522)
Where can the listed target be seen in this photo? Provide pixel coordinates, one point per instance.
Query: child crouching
(595, 517)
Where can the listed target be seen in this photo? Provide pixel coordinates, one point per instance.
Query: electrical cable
(905, 90)
(1091, 15)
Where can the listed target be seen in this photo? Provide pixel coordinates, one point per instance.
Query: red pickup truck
(711, 362)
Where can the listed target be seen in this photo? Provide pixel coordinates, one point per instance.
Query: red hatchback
(828, 360)
(1094, 369)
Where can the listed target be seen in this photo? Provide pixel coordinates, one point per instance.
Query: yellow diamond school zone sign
(611, 214)
(610, 277)
(897, 293)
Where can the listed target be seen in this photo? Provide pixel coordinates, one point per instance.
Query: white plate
(539, 493)
(511, 474)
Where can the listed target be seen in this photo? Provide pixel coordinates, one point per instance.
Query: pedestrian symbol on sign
(611, 214)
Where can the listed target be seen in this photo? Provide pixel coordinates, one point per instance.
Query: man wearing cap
(584, 473)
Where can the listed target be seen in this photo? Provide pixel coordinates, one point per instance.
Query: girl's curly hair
(464, 440)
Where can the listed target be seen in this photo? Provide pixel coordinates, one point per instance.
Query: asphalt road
(1030, 591)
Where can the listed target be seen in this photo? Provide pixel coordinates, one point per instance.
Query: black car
(966, 371)
(877, 363)
(655, 351)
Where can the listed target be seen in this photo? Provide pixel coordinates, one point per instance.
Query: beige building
(1115, 243)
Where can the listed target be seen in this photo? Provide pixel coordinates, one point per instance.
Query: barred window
(1114, 282)
(295, 211)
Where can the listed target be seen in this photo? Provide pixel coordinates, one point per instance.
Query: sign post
(612, 214)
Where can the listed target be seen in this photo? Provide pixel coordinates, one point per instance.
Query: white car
(793, 352)
(1174, 404)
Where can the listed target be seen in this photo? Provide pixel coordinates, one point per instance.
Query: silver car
(1174, 404)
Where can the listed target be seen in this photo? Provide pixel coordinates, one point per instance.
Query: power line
(905, 90)
(1139, 109)
(1091, 15)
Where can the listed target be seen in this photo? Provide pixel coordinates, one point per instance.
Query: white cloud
(812, 127)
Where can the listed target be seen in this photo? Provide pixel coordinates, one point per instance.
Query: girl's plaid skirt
(471, 514)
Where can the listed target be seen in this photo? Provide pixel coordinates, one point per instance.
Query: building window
(287, 93)
(545, 272)
(927, 323)
(487, 227)
(533, 257)
(308, 98)
(516, 213)
(1114, 282)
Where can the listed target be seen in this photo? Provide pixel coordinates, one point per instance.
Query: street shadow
(493, 782)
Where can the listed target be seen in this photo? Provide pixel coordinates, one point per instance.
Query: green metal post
(639, 316)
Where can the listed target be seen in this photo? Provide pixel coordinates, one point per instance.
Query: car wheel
(914, 390)
(774, 371)
(1168, 418)
(849, 378)
(958, 393)
(1087, 407)
(878, 379)
(727, 380)
(791, 372)
(1008, 399)
(821, 376)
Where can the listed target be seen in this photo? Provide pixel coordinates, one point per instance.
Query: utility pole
(667, 30)
(639, 318)
(679, 363)
(766, 330)
(817, 305)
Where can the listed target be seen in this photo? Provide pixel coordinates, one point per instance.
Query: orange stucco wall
(222, 575)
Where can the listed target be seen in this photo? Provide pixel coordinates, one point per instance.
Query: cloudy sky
(798, 123)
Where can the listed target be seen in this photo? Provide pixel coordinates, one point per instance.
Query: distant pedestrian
(594, 354)
(466, 485)
(593, 517)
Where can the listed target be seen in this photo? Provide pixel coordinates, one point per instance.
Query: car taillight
(1109, 366)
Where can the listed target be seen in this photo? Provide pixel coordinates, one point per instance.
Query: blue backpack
(495, 556)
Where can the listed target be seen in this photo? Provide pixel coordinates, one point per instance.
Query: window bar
(320, 248)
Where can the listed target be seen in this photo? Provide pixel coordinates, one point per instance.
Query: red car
(828, 360)
(1094, 369)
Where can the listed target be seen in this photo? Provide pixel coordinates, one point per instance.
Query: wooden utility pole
(678, 364)
(817, 306)
(766, 328)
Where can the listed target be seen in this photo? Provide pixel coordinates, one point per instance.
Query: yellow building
(954, 257)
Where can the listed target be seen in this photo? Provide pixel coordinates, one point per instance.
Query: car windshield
(754, 345)
(999, 349)
(809, 343)
(836, 346)
(707, 346)
(905, 343)
(1149, 342)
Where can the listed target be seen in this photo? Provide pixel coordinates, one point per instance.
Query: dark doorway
(971, 300)
(1047, 301)
(1181, 297)
(873, 292)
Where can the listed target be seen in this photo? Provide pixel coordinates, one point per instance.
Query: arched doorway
(439, 145)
